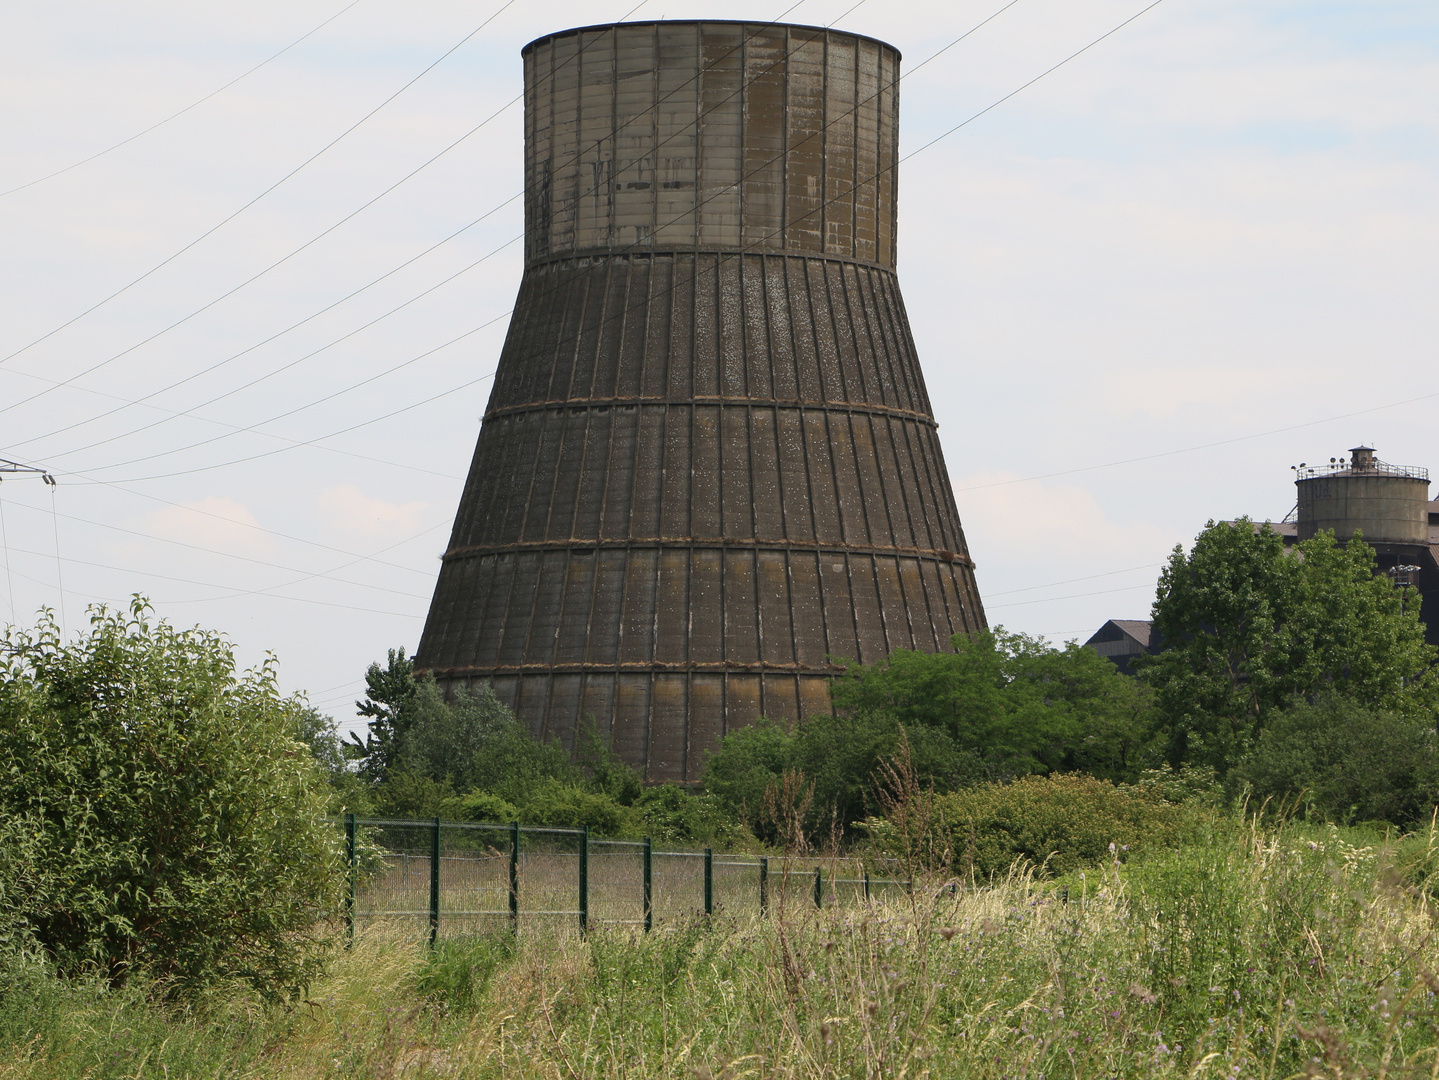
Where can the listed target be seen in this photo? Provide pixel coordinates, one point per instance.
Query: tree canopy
(1000, 705)
(1250, 629)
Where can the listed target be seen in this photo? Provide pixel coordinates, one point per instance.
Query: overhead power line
(759, 244)
(211, 585)
(235, 356)
(231, 217)
(1073, 596)
(515, 239)
(307, 575)
(182, 112)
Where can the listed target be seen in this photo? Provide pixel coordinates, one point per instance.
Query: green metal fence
(462, 877)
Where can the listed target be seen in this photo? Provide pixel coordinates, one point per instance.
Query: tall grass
(1257, 953)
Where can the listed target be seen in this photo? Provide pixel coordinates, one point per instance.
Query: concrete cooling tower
(708, 463)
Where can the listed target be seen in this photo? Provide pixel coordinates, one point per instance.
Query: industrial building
(709, 463)
(1388, 505)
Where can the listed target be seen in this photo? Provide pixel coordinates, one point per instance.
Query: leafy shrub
(568, 806)
(1060, 822)
(178, 825)
(483, 806)
(1009, 705)
(1345, 763)
(674, 815)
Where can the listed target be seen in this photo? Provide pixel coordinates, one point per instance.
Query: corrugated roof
(1139, 629)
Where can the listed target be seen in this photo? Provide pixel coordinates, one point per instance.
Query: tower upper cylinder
(677, 136)
(708, 463)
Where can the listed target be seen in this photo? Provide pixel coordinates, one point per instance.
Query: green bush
(177, 825)
(482, 806)
(675, 815)
(568, 806)
(1059, 822)
(1342, 762)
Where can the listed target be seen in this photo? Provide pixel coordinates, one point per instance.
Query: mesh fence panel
(466, 878)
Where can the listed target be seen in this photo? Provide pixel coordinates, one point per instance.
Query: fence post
(649, 885)
(435, 881)
(764, 885)
(709, 881)
(866, 884)
(351, 859)
(818, 887)
(584, 881)
(515, 876)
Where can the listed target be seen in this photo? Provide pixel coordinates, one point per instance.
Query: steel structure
(708, 463)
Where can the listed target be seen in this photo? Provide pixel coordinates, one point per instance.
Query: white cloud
(357, 514)
(215, 522)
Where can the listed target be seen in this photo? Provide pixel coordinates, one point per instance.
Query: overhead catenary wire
(858, 105)
(176, 115)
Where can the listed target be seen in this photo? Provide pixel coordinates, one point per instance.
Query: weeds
(1255, 954)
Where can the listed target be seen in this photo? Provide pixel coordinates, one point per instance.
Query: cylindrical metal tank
(708, 463)
(1387, 504)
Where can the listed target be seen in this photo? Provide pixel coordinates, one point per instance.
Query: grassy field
(1255, 954)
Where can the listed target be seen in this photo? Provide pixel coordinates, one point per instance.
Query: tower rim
(709, 22)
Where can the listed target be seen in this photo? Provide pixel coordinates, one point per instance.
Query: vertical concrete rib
(708, 461)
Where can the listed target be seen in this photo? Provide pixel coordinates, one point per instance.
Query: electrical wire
(9, 581)
(1071, 581)
(1074, 596)
(225, 221)
(187, 108)
(858, 105)
(59, 570)
(213, 367)
(255, 277)
(237, 429)
(210, 585)
(327, 574)
(1202, 446)
(116, 485)
(760, 243)
(847, 14)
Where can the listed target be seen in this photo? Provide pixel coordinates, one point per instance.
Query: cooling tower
(708, 463)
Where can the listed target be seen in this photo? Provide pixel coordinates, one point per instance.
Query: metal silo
(1388, 504)
(708, 462)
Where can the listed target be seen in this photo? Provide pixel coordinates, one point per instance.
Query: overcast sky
(1201, 252)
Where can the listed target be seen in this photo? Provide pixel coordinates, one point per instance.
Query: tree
(1345, 763)
(391, 689)
(1001, 705)
(179, 826)
(348, 790)
(1011, 703)
(1249, 628)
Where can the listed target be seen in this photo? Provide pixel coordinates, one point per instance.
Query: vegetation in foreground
(1087, 903)
(1250, 952)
